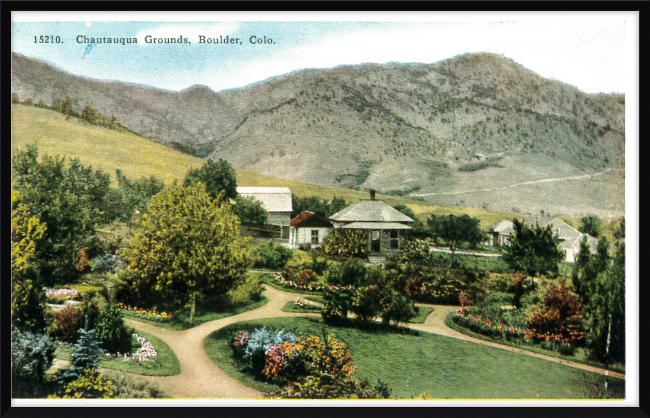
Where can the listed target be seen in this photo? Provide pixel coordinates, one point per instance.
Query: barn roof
(370, 211)
(274, 199)
(310, 220)
(375, 225)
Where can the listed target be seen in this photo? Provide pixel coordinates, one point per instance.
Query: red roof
(309, 219)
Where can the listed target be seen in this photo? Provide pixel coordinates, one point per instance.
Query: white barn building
(276, 201)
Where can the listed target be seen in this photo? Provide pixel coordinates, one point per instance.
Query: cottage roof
(375, 225)
(310, 220)
(504, 227)
(274, 199)
(370, 211)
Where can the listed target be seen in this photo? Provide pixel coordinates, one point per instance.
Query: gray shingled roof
(274, 199)
(504, 227)
(370, 211)
(375, 225)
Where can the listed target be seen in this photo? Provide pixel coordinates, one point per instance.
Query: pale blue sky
(590, 55)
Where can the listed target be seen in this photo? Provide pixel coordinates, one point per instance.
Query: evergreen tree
(84, 354)
(591, 225)
(89, 114)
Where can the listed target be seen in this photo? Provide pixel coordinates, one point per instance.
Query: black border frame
(7, 7)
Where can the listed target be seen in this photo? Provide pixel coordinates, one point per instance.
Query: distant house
(499, 233)
(276, 201)
(307, 228)
(386, 227)
(569, 237)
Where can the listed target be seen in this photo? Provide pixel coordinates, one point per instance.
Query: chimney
(372, 194)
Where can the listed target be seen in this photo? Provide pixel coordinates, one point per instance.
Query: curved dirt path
(201, 378)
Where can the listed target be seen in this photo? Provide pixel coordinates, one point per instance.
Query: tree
(89, 114)
(419, 229)
(27, 300)
(131, 196)
(68, 197)
(533, 249)
(345, 243)
(319, 207)
(455, 230)
(605, 312)
(31, 357)
(560, 313)
(619, 232)
(14, 98)
(66, 107)
(591, 225)
(250, 210)
(217, 177)
(186, 245)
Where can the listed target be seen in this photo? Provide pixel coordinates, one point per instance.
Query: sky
(586, 50)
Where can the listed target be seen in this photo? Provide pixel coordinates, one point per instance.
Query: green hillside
(109, 150)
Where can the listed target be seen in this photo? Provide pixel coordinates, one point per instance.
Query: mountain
(464, 131)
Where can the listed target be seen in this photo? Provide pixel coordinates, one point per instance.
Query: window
(314, 236)
(394, 239)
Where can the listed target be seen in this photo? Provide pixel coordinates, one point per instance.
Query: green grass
(166, 363)
(446, 368)
(423, 312)
(109, 150)
(181, 321)
(291, 306)
(580, 355)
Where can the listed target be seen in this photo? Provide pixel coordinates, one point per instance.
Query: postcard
(381, 208)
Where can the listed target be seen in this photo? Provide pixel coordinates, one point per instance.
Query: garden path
(201, 378)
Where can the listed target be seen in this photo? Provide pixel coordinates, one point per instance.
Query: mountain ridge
(398, 128)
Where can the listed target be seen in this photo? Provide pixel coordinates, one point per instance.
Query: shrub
(276, 358)
(345, 244)
(248, 292)
(354, 273)
(335, 307)
(560, 314)
(272, 256)
(107, 263)
(127, 387)
(114, 336)
(366, 303)
(31, 357)
(334, 273)
(83, 264)
(298, 262)
(376, 276)
(397, 308)
(413, 250)
(90, 384)
(306, 277)
(319, 263)
(67, 324)
(464, 299)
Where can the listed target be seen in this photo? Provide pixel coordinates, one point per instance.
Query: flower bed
(142, 313)
(59, 296)
(483, 326)
(146, 353)
(277, 277)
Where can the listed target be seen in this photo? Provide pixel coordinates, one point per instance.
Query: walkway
(201, 378)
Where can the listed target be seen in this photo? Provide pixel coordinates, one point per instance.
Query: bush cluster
(271, 256)
(31, 357)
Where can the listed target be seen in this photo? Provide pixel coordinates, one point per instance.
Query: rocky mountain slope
(477, 120)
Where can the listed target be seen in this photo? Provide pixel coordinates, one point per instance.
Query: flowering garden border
(142, 313)
(453, 322)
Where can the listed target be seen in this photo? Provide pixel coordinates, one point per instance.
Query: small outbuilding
(308, 228)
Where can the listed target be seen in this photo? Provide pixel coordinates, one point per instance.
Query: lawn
(166, 363)
(291, 306)
(181, 321)
(423, 312)
(445, 368)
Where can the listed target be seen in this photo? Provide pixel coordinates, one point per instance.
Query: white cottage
(307, 228)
